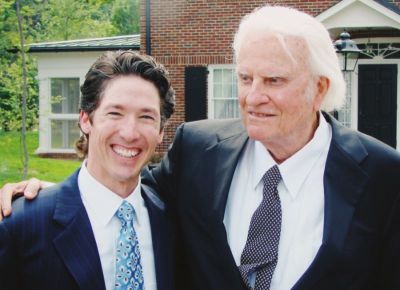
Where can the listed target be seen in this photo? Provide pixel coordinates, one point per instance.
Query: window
(222, 92)
(64, 112)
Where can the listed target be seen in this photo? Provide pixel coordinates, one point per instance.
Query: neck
(120, 188)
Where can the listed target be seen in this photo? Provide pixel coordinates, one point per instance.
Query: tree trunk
(24, 89)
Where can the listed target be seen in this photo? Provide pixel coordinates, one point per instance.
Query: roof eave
(82, 48)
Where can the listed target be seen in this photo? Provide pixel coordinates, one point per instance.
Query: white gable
(359, 14)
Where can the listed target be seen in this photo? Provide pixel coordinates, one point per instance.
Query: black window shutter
(195, 93)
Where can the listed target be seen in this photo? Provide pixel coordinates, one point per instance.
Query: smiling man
(100, 229)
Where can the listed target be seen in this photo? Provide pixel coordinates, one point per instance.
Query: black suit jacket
(48, 243)
(361, 238)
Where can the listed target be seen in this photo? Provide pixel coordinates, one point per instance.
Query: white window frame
(210, 87)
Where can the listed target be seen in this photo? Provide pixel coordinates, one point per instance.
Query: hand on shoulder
(28, 188)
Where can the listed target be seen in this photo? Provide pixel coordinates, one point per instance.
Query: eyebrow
(143, 110)
(114, 106)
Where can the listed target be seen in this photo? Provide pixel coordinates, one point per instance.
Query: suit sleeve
(8, 260)
(163, 178)
(390, 268)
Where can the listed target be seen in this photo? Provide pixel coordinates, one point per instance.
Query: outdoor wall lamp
(347, 51)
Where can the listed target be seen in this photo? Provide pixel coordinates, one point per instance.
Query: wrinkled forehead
(294, 47)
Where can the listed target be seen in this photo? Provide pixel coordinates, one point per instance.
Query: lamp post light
(347, 51)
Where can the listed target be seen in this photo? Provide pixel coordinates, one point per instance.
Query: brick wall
(200, 32)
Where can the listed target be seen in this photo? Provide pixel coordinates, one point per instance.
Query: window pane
(217, 76)
(56, 95)
(227, 76)
(218, 91)
(227, 90)
(224, 109)
(63, 134)
(65, 95)
(56, 134)
(73, 133)
(72, 96)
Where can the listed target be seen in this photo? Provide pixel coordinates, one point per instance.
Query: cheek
(151, 135)
(242, 92)
(242, 100)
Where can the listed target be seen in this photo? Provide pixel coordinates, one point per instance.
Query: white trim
(63, 117)
(86, 40)
(52, 150)
(359, 13)
(377, 40)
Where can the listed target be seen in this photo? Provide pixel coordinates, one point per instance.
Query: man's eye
(275, 80)
(245, 79)
(148, 117)
(114, 113)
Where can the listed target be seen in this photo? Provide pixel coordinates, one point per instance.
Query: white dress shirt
(301, 192)
(101, 204)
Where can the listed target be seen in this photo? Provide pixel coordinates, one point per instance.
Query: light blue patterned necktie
(129, 274)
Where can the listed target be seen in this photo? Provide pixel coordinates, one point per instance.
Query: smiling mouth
(260, 115)
(124, 152)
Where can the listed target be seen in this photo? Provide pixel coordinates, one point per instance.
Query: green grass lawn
(11, 160)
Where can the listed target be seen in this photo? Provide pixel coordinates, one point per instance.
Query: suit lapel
(224, 155)
(344, 181)
(76, 244)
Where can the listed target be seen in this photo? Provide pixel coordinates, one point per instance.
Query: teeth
(261, 115)
(125, 152)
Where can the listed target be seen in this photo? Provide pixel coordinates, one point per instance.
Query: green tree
(125, 16)
(10, 95)
(73, 19)
(11, 67)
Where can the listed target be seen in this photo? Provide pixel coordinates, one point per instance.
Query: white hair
(322, 59)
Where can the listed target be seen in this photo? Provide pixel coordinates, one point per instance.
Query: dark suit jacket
(48, 243)
(361, 238)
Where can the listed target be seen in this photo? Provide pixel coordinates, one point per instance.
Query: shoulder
(208, 131)
(152, 198)
(213, 126)
(24, 208)
(41, 208)
(372, 154)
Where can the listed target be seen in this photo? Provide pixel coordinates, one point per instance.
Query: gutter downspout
(148, 28)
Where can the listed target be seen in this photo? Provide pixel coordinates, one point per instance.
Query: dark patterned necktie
(260, 254)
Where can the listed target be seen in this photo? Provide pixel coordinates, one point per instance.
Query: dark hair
(119, 63)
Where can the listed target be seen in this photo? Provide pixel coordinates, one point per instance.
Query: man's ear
(84, 122)
(160, 136)
(323, 84)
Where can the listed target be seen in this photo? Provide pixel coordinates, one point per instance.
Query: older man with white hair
(286, 198)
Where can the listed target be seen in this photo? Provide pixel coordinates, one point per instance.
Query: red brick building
(192, 38)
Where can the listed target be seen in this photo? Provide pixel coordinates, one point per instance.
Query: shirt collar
(100, 202)
(295, 169)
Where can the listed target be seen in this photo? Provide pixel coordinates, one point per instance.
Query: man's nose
(129, 129)
(257, 94)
